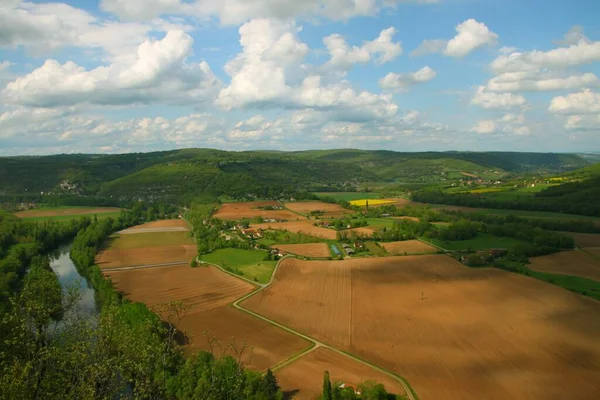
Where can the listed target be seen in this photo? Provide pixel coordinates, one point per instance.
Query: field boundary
(410, 392)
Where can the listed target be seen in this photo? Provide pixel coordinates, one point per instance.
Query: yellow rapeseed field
(372, 202)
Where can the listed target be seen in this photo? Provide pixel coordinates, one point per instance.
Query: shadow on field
(289, 394)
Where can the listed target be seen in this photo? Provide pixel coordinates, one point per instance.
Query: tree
(270, 386)
(327, 395)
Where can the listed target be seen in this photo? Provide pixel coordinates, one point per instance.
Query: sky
(115, 76)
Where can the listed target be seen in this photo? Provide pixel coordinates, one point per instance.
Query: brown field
(330, 210)
(163, 223)
(115, 258)
(363, 231)
(236, 211)
(207, 292)
(409, 247)
(569, 263)
(305, 249)
(585, 239)
(305, 227)
(595, 251)
(66, 211)
(303, 378)
(452, 331)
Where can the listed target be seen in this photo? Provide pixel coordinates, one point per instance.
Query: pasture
(206, 292)
(452, 331)
(319, 250)
(480, 242)
(348, 196)
(250, 264)
(408, 247)
(65, 214)
(303, 378)
(252, 209)
(576, 263)
(517, 213)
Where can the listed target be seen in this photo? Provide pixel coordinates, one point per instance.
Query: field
(305, 227)
(372, 202)
(61, 214)
(330, 210)
(303, 378)
(517, 213)
(374, 249)
(306, 249)
(348, 196)
(584, 240)
(575, 263)
(132, 257)
(237, 211)
(408, 247)
(164, 225)
(480, 242)
(149, 239)
(207, 292)
(452, 331)
(250, 264)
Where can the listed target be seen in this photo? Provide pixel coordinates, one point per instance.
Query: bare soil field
(115, 258)
(575, 263)
(149, 239)
(305, 227)
(363, 231)
(158, 225)
(452, 331)
(66, 211)
(303, 378)
(236, 211)
(305, 249)
(207, 292)
(585, 239)
(409, 247)
(330, 210)
(595, 251)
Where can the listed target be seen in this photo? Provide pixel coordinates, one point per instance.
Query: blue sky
(114, 76)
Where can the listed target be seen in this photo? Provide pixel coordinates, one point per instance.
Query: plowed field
(115, 258)
(409, 247)
(575, 263)
(158, 225)
(305, 249)
(303, 378)
(452, 331)
(207, 292)
(237, 211)
(330, 210)
(305, 227)
(585, 239)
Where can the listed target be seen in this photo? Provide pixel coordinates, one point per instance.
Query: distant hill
(176, 173)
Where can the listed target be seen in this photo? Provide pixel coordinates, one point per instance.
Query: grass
(250, 264)
(348, 196)
(381, 222)
(523, 213)
(481, 242)
(68, 218)
(266, 242)
(374, 249)
(150, 239)
(287, 237)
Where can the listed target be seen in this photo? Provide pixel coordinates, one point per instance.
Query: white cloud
(582, 52)
(539, 81)
(140, 9)
(470, 36)
(158, 73)
(344, 56)
(491, 100)
(484, 127)
(509, 123)
(403, 82)
(583, 123)
(574, 36)
(585, 102)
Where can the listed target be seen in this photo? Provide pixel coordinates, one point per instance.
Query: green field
(381, 222)
(250, 264)
(521, 213)
(348, 196)
(67, 218)
(481, 242)
(287, 237)
(149, 239)
(374, 249)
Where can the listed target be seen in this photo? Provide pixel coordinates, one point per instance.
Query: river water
(68, 277)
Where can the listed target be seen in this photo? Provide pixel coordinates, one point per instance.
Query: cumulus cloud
(585, 102)
(579, 53)
(141, 9)
(492, 100)
(509, 123)
(262, 76)
(344, 56)
(485, 126)
(158, 73)
(534, 81)
(583, 123)
(403, 82)
(470, 36)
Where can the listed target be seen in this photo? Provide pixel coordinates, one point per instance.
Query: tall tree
(270, 385)
(326, 387)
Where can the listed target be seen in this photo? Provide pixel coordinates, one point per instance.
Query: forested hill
(191, 171)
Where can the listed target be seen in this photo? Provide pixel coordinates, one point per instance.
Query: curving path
(410, 393)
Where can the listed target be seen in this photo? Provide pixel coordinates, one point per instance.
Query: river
(68, 277)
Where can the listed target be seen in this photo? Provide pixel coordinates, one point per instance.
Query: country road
(411, 395)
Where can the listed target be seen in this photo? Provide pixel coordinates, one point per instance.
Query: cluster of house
(250, 233)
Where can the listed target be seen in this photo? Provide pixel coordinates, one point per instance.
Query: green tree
(270, 386)
(326, 395)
